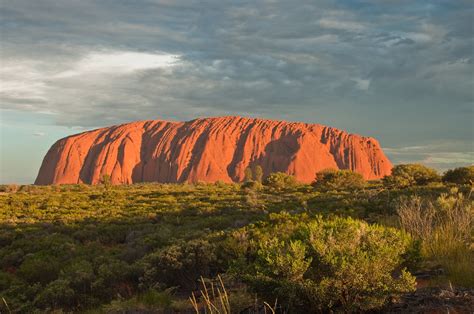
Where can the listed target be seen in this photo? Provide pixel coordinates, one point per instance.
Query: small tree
(248, 175)
(258, 174)
(279, 180)
(410, 175)
(461, 175)
(331, 179)
(106, 181)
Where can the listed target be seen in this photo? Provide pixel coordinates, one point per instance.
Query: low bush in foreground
(323, 265)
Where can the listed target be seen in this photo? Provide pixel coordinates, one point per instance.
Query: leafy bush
(280, 180)
(331, 179)
(248, 175)
(106, 180)
(179, 264)
(9, 188)
(57, 294)
(254, 175)
(258, 174)
(39, 269)
(252, 185)
(462, 175)
(324, 264)
(410, 175)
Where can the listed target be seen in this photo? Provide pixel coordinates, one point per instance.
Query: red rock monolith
(209, 150)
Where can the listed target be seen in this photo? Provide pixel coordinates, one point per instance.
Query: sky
(400, 71)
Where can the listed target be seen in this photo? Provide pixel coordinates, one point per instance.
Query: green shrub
(106, 180)
(9, 188)
(248, 174)
(251, 185)
(258, 174)
(80, 275)
(324, 264)
(410, 175)
(39, 269)
(331, 179)
(280, 180)
(180, 264)
(461, 175)
(254, 175)
(57, 294)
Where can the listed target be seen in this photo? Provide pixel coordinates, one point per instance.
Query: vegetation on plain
(269, 244)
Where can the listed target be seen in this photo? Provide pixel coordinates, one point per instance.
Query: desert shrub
(253, 175)
(57, 294)
(80, 276)
(258, 174)
(280, 180)
(112, 276)
(410, 175)
(444, 227)
(324, 265)
(248, 174)
(9, 188)
(251, 185)
(461, 175)
(252, 199)
(106, 181)
(179, 264)
(39, 269)
(331, 179)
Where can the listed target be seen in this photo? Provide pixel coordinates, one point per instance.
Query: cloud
(21, 80)
(341, 25)
(440, 155)
(119, 62)
(362, 84)
(450, 158)
(360, 67)
(39, 134)
(61, 88)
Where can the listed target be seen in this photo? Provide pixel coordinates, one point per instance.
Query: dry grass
(213, 302)
(215, 299)
(6, 305)
(445, 227)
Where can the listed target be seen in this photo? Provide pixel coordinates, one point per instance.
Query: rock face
(208, 150)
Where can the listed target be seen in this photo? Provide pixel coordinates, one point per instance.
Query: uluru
(209, 150)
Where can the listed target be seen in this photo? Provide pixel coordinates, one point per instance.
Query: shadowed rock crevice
(278, 155)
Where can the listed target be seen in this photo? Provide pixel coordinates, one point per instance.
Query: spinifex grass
(445, 227)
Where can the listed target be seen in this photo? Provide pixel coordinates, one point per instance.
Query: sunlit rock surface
(208, 149)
